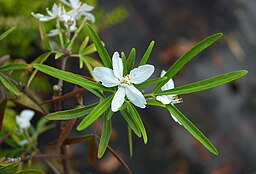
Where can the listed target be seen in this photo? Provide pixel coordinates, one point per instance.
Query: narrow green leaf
(151, 82)
(72, 113)
(189, 126)
(30, 171)
(101, 49)
(89, 50)
(109, 113)
(93, 62)
(84, 44)
(147, 53)
(95, 113)
(5, 34)
(137, 119)
(183, 60)
(130, 121)
(70, 77)
(154, 102)
(205, 84)
(58, 55)
(105, 136)
(13, 67)
(130, 140)
(124, 60)
(9, 85)
(3, 105)
(131, 59)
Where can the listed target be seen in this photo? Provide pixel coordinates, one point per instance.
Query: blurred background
(226, 114)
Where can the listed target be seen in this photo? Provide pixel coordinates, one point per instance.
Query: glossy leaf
(8, 32)
(138, 121)
(205, 84)
(13, 67)
(105, 136)
(95, 113)
(147, 53)
(72, 113)
(70, 77)
(9, 85)
(189, 126)
(154, 102)
(129, 119)
(124, 60)
(100, 48)
(131, 60)
(183, 60)
(151, 82)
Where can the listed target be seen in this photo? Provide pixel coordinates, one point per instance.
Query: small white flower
(55, 13)
(69, 22)
(23, 120)
(79, 9)
(115, 77)
(169, 99)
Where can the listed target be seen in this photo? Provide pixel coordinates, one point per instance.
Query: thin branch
(6, 136)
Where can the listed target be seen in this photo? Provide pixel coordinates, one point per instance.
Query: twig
(5, 137)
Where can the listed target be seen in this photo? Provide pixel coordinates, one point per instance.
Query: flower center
(125, 80)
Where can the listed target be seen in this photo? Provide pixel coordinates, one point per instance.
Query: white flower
(79, 9)
(69, 22)
(53, 32)
(23, 120)
(169, 99)
(55, 13)
(115, 77)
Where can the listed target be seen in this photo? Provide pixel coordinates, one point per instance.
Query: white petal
(65, 2)
(53, 32)
(106, 76)
(118, 99)
(37, 15)
(55, 10)
(74, 3)
(141, 74)
(164, 99)
(175, 119)
(117, 65)
(86, 7)
(22, 123)
(89, 17)
(135, 96)
(169, 84)
(27, 114)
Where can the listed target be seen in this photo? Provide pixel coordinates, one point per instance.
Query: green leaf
(137, 119)
(3, 105)
(101, 49)
(183, 60)
(95, 113)
(131, 59)
(30, 171)
(205, 84)
(9, 85)
(70, 77)
(130, 121)
(154, 102)
(89, 50)
(58, 55)
(147, 53)
(92, 61)
(124, 60)
(13, 67)
(109, 113)
(150, 82)
(189, 126)
(105, 136)
(5, 34)
(130, 140)
(72, 113)
(84, 44)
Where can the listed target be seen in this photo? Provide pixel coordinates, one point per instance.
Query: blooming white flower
(169, 99)
(115, 77)
(55, 13)
(23, 120)
(79, 9)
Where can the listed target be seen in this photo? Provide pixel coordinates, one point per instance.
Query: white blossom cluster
(69, 18)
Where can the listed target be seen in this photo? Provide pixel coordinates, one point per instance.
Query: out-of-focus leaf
(74, 140)
(13, 67)
(101, 49)
(183, 60)
(72, 113)
(9, 85)
(131, 59)
(138, 121)
(93, 151)
(147, 53)
(71, 78)
(105, 136)
(5, 34)
(150, 82)
(58, 55)
(204, 84)
(43, 35)
(130, 140)
(124, 60)
(189, 126)
(129, 119)
(95, 113)
(3, 105)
